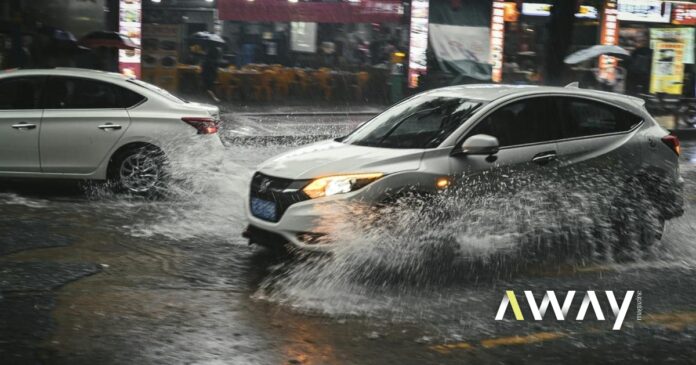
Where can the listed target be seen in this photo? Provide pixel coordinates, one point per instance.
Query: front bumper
(307, 218)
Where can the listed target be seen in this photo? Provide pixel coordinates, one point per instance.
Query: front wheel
(138, 171)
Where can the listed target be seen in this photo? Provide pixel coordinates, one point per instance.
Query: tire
(637, 222)
(139, 170)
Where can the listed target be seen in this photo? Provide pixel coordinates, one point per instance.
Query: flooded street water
(90, 277)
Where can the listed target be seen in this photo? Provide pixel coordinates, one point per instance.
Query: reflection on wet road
(89, 277)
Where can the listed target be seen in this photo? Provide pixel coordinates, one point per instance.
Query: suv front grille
(282, 192)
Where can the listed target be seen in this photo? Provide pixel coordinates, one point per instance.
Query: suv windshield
(420, 122)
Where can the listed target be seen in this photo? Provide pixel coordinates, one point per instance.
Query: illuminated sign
(537, 9)
(609, 37)
(418, 43)
(684, 14)
(129, 24)
(497, 39)
(652, 11)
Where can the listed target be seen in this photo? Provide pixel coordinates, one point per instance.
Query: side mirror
(480, 144)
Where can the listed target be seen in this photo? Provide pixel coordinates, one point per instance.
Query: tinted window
(586, 118)
(528, 121)
(420, 122)
(129, 98)
(20, 93)
(78, 93)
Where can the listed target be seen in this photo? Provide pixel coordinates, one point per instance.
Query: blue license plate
(263, 209)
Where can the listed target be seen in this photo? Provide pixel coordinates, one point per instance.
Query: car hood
(331, 157)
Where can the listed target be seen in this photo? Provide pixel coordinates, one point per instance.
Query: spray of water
(393, 258)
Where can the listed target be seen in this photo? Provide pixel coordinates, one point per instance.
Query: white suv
(426, 142)
(85, 124)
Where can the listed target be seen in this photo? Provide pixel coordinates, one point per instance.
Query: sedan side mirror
(480, 144)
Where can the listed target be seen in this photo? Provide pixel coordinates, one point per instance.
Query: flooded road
(89, 277)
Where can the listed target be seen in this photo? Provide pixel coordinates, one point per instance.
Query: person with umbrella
(211, 61)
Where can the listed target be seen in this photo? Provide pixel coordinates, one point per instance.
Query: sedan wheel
(139, 171)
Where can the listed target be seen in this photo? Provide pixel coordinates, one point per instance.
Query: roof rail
(573, 85)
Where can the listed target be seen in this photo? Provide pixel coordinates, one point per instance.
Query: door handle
(23, 126)
(109, 127)
(544, 157)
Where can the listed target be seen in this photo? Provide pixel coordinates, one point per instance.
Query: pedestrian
(209, 70)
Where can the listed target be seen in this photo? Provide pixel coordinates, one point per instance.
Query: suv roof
(490, 92)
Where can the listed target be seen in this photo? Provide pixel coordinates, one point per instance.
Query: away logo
(561, 311)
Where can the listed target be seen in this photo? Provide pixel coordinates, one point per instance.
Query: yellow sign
(667, 68)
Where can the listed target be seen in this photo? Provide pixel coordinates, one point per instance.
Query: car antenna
(573, 85)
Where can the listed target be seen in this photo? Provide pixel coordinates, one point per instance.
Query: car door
(527, 131)
(82, 121)
(598, 135)
(20, 123)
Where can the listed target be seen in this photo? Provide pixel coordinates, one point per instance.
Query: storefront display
(130, 15)
(683, 35)
(667, 68)
(303, 37)
(160, 54)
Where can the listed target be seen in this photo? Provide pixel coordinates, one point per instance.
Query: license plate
(263, 209)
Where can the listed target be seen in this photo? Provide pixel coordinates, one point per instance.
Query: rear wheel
(138, 170)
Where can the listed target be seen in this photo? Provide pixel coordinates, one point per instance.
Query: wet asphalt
(88, 277)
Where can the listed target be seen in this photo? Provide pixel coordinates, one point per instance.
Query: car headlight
(339, 184)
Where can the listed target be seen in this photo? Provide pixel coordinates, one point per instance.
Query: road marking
(676, 321)
(521, 340)
(500, 341)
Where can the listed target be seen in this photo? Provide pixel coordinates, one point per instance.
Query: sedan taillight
(202, 124)
(673, 143)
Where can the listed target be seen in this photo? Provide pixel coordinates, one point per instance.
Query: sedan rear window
(424, 121)
(157, 90)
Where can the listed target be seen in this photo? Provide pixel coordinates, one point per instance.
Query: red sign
(497, 40)
(684, 14)
(361, 11)
(609, 37)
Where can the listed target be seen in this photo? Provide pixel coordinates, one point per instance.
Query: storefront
(313, 34)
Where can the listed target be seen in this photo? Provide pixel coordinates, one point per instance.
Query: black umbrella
(206, 38)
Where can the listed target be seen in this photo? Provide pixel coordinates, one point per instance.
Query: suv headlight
(339, 184)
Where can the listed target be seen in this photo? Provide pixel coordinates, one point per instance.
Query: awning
(359, 11)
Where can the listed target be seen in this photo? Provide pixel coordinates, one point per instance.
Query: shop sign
(538, 9)
(609, 37)
(129, 24)
(676, 35)
(418, 42)
(684, 14)
(303, 37)
(497, 37)
(652, 11)
(667, 68)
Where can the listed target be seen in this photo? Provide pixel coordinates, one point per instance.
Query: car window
(80, 93)
(128, 98)
(420, 122)
(20, 93)
(527, 121)
(587, 118)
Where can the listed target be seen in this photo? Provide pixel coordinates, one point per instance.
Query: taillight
(202, 124)
(673, 143)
